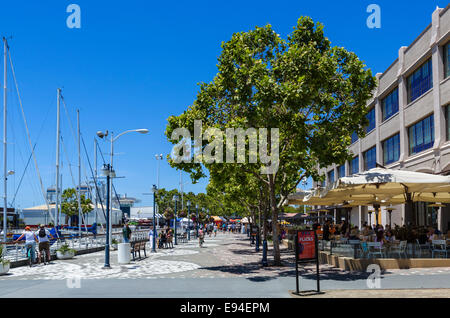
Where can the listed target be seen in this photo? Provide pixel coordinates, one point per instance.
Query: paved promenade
(227, 266)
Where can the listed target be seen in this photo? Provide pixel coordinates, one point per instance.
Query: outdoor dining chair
(422, 247)
(439, 247)
(375, 248)
(400, 249)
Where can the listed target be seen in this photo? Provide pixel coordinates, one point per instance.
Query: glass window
(371, 118)
(341, 171)
(447, 60)
(389, 104)
(421, 135)
(447, 118)
(391, 149)
(330, 176)
(420, 81)
(370, 158)
(355, 165)
(354, 137)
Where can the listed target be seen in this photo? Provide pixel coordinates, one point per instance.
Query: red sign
(306, 245)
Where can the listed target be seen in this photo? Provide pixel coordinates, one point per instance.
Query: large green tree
(315, 94)
(69, 203)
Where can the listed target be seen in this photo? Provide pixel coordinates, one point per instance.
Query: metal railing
(17, 251)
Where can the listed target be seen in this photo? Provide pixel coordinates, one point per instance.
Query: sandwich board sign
(306, 251)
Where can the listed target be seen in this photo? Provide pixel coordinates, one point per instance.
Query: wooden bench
(137, 247)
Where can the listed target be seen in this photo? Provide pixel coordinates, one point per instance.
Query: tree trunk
(274, 210)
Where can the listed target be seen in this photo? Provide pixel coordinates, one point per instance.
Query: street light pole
(107, 170)
(154, 219)
(112, 139)
(189, 219)
(196, 219)
(175, 198)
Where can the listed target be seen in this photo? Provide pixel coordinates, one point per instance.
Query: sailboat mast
(79, 177)
(58, 137)
(95, 179)
(5, 44)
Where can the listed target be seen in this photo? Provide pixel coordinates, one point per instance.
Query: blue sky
(134, 63)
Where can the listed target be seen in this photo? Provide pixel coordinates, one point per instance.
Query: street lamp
(154, 190)
(103, 135)
(196, 219)
(175, 199)
(189, 219)
(108, 172)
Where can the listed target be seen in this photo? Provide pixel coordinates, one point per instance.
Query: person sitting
(354, 233)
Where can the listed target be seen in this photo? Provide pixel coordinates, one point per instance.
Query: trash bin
(124, 253)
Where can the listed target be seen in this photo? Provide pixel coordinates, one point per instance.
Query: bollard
(264, 258)
(17, 252)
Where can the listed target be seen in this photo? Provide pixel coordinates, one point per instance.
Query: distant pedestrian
(30, 241)
(152, 235)
(126, 232)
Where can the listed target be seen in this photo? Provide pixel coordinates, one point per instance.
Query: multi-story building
(409, 122)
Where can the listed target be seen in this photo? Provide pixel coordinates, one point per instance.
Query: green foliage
(69, 204)
(66, 249)
(314, 93)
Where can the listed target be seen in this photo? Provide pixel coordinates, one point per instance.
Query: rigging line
(73, 180)
(29, 158)
(113, 187)
(29, 138)
(94, 177)
(21, 178)
(72, 130)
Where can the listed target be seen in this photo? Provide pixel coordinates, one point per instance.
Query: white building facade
(409, 123)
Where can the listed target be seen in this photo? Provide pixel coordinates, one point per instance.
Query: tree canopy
(309, 95)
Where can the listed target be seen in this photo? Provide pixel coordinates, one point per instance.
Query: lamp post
(390, 209)
(196, 219)
(154, 190)
(103, 135)
(158, 157)
(189, 219)
(175, 198)
(108, 172)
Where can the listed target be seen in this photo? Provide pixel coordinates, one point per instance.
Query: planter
(65, 255)
(4, 268)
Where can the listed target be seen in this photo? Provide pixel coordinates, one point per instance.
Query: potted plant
(114, 244)
(64, 252)
(4, 263)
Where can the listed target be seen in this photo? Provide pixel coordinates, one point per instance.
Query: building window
(371, 118)
(354, 137)
(322, 183)
(447, 60)
(421, 135)
(447, 119)
(341, 171)
(420, 81)
(391, 149)
(389, 104)
(370, 158)
(355, 165)
(331, 177)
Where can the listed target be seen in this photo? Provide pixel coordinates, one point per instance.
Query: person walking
(44, 243)
(126, 232)
(215, 230)
(30, 241)
(152, 233)
(201, 238)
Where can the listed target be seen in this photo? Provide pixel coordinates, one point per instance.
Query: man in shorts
(44, 243)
